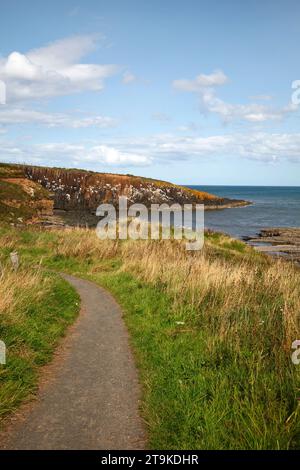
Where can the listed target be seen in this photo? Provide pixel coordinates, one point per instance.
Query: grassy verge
(212, 333)
(35, 310)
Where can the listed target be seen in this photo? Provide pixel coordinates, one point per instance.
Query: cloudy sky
(194, 91)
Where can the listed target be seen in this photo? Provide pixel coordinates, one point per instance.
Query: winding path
(90, 399)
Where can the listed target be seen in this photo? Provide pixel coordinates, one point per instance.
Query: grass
(20, 198)
(10, 170)
(211, 331)
(35, 310)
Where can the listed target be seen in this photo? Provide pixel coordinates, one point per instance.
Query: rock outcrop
(83, 190)
(279, 241)
(30, 192)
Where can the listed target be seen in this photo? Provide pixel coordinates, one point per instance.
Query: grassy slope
(211, 332)
(35, 310)
(16, 202)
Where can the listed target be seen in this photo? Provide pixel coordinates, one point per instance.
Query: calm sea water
(272, 207)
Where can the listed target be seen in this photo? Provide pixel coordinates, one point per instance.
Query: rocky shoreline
(278, 241)
(85, 191)
(225, 204)
(61, 218)
(29, 194)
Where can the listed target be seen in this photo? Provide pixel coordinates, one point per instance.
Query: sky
(193, 92)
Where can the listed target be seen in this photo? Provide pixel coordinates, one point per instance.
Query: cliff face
(29, 192)
(81, 190)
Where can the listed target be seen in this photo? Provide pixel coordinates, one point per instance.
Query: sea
(272, 206)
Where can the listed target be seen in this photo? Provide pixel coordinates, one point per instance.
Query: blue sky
(195, 92)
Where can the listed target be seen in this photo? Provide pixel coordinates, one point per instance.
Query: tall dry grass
(35, 309)
(230, 291)
(233, 291)
(237, 298)
(18, 289)
(80, 243)
(213, 330)
(242, 297)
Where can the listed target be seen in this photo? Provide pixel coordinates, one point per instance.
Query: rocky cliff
(34, 191)
(83, 190)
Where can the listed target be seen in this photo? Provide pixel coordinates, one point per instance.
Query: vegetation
(20, 199)
(211, 330)
(35, 310)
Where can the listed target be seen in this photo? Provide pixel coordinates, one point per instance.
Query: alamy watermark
(160, 221)
(296, 353)
(2, 352)
(296, 93)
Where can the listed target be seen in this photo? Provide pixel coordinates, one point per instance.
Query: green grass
(31, 332)
(13, 192)
(197, 397)
(201, 390)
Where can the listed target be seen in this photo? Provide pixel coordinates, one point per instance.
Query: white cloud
(205, 87)
(201, 82)
(10, 116)
(128, 77)
(252, 112)
(113, 156)
(54, 70)
(260, 146)
(159, 149)
(64, 154)
(256, 146)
